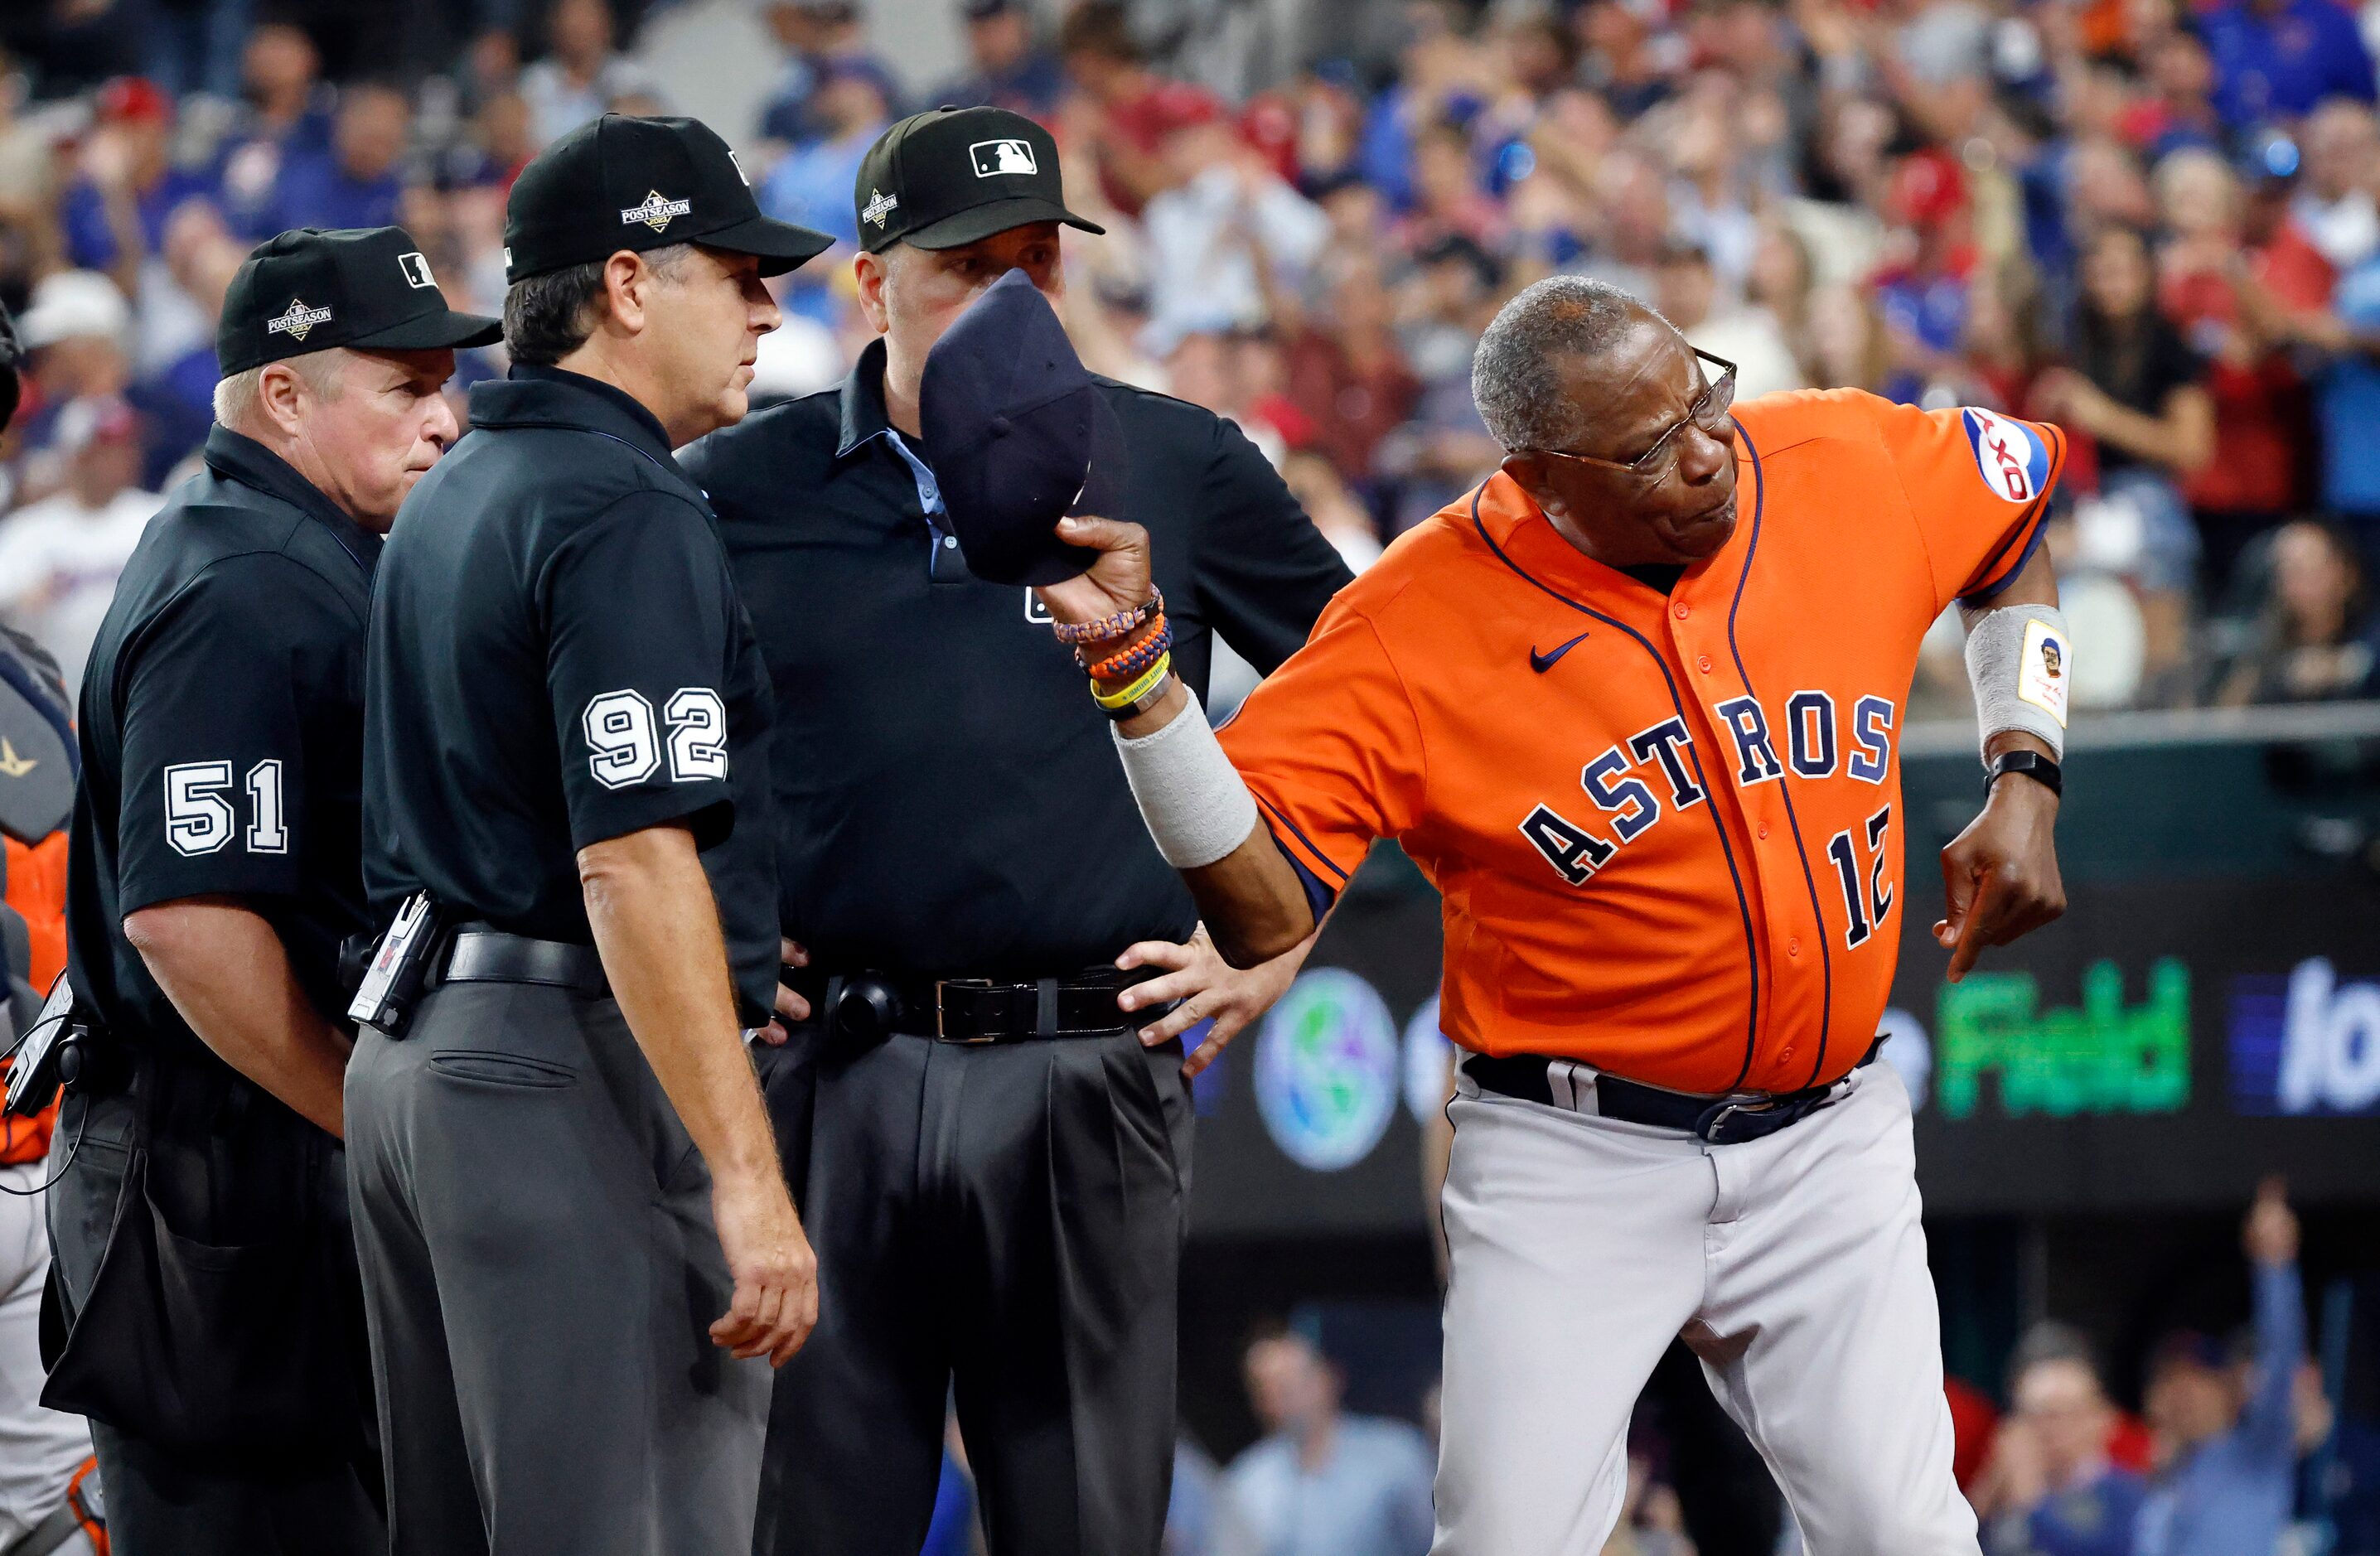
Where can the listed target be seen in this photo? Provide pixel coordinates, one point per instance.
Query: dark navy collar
(237, 457)
(864, 416)
(540, 396)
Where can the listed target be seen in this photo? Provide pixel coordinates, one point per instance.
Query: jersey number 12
(1863, 908)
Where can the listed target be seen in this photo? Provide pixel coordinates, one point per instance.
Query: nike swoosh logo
(12, 764)
(1543, 663)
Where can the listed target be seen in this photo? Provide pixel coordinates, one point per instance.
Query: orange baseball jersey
(1666, 829)
(37, 890)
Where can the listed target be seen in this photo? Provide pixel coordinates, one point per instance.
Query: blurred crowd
(2238, 1447)
(2153, 222)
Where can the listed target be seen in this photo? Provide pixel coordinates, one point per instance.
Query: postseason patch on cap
(297, 319)
(2010, 456)
(879, 205)
(657, 211)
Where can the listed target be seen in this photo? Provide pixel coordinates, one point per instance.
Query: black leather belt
(477, 953)
(1720, 1120)
(865, 1006)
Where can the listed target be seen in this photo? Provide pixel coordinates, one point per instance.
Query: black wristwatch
(2032, 764)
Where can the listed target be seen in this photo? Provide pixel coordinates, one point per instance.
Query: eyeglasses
(1709, 413)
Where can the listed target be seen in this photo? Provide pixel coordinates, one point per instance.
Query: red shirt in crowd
(2262, 430)
(1355, 405)
(1145, 122)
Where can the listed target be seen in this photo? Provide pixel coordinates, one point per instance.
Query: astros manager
(568, 1206)
(1632, 705)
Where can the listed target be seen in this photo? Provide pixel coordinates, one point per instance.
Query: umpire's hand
(2000, 875)
(776, 1301)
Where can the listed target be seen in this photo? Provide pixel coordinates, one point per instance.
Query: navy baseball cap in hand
(1019, 434)
(367, 288)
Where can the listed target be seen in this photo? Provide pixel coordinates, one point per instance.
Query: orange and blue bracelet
(1122, 624)
(1134, 662)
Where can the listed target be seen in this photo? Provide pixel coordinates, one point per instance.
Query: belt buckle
(1710, 1127)
(940, 1033)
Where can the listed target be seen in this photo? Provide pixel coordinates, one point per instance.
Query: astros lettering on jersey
(1667, 831)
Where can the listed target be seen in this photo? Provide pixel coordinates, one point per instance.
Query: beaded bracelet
(1115, 626)
(1128, 664)
(1089, 655)
(1150, 680)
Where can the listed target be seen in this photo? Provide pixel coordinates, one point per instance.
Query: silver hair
(1516, 374)
(239, 397)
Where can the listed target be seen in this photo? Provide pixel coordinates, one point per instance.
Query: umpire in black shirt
(203, 1258)
(576, 1240)
(1004, 1206)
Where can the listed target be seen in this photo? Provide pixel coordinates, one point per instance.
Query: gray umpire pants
(1004, 1221)
(540, 1272)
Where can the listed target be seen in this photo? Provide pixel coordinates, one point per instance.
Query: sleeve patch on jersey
(2041, 676)
(2010, 456)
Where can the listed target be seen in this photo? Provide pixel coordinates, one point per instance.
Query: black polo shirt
(949, 800)
(220, 731)
(558, 658)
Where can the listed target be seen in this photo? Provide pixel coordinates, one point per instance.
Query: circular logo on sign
(1430, 1059)
(1327, 1071)
(1907, 1050)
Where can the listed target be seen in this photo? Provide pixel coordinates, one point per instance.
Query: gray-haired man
(1631, 705)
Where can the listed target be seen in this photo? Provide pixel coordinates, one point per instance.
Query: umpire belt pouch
(224, 1349)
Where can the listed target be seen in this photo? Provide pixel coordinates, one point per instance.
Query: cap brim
(430, 331)
(977, 223)
(779, 246)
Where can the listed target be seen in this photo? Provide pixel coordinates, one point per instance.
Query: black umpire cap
(368, 288)
(953, 175)
(623, 182)
(1019, 433)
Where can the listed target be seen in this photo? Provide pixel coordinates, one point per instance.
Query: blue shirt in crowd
(1372, 1497)
(91, 241)
(315, 191)
(2281, 64)
(2230, 1495)
(2350, 403)
(2094, 1519)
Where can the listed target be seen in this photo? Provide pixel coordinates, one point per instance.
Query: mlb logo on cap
(994, 158)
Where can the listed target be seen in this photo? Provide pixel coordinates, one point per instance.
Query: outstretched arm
(1251, 897)
(2000, 877)
(2268, 1424)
